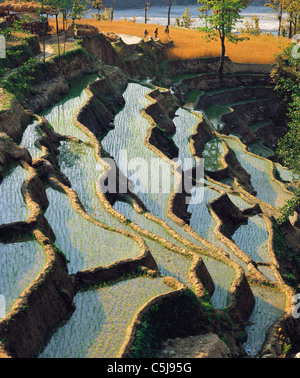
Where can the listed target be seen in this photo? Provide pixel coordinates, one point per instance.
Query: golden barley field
(189, 43)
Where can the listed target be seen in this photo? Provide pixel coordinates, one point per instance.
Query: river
(158, 15)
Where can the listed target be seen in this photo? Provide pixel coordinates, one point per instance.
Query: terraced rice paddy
(103, 313)
(21, 262)
(97, 327)
(85, 244)
(13, 207)
(259, 169)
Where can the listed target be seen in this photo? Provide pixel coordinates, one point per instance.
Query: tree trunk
(65, 41)
(56, 18)
(291, 29)
(44, 47)
(169, 12)
(64, 19)
(222, 58)
(279, 27)
(280, 19)
(112, 10)
(43, 37)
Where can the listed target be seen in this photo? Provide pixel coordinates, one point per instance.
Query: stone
(86, 30)
(9, 151)
(200, 346)
(214, 348)
(269, 356)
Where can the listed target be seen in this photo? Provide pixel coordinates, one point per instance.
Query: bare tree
(112, 10)
(147, 3)
(169, 12)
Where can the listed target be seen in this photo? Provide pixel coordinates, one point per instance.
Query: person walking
(156, 33)
(167, 31)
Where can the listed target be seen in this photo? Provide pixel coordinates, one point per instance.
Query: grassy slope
(189, 44)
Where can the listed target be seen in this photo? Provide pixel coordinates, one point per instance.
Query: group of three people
(156, 32)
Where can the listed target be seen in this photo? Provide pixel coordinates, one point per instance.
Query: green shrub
(286, 74)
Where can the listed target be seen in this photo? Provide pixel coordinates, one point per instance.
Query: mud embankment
(13, 120)
(11, 152)
(244, 115)
(206, 65)
(51, 84)
(160, 114)
(234, 95)
(139, 61)
(230, 215)
(210, 81)
(255, 111)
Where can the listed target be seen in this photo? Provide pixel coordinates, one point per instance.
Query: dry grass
(189, 44)
(258, 49)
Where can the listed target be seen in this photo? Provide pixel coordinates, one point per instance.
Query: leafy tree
(292, 7)
(277, 6)
(286, 74)
(78, 10)
(251, 27)
(43, 20)
(186, 20)
(289, 146)
(56, 6)
(289, 151)
(221, 20)
(98, 6)
(204, 10)
(106, 15)
(66, 7)
(20, 25)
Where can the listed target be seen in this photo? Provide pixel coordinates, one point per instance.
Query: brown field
(190, 44)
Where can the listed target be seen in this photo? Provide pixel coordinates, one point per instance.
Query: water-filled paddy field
(103, 313)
